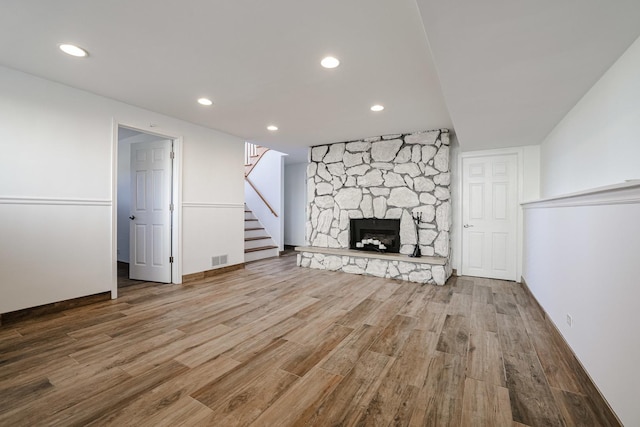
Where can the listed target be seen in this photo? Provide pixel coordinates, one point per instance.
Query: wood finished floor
(277, 345)
(123, 276)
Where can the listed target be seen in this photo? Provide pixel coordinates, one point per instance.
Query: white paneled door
(150, 220)
(489, 216)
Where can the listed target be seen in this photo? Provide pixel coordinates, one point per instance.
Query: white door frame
(176, 225)
(519, 152)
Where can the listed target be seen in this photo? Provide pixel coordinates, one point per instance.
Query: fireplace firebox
(373, 234)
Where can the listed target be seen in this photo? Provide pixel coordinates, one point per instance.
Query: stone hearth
(387, 177)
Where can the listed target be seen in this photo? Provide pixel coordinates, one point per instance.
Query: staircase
(257, 243)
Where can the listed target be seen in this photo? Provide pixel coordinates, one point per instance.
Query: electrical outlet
(569, 320)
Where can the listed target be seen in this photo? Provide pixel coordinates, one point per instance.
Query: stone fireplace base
(427, 269)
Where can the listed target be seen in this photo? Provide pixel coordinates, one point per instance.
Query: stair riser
(258, 243)
(254, 256)
(254, 233)
(249, 215)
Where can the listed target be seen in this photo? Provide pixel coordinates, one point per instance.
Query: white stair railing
(250, 150)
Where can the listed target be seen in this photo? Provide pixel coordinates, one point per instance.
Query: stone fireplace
(380, 179)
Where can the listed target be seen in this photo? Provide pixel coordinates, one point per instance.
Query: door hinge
(171, 207)
(172, 155)
(170, 259)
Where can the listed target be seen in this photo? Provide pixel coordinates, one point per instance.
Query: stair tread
(261, 248)
(247, 239)
(254, 228)
(250, 219)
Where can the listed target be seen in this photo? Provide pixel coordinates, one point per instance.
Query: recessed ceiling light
(272, 128)
(205, 101)
(73, 50)
(377, 107)
(330, 62)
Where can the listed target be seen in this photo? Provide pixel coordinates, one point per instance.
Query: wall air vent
(219, 260)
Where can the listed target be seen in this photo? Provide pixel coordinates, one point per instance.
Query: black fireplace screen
(375, 234)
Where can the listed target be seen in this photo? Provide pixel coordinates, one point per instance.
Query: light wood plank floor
(278, 345)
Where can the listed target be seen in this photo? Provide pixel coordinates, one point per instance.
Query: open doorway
(144, 208)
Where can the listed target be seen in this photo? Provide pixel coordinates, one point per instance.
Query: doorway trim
(519, 153)
(176, 190)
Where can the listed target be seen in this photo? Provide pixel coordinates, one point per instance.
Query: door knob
(132, 217)
(467, 225)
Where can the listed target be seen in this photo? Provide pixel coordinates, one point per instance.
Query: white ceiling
(510, 69)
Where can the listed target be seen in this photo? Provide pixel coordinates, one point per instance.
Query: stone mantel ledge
(623, 193)
(432, 260)
(425, 270)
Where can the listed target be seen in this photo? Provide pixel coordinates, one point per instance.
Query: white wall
(597, 143)
(530, 173)
(57, 190)
(583, 259)
(295, 203)
(268, 177)
(456, 208)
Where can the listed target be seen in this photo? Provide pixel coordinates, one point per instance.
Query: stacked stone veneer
(391, 177)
